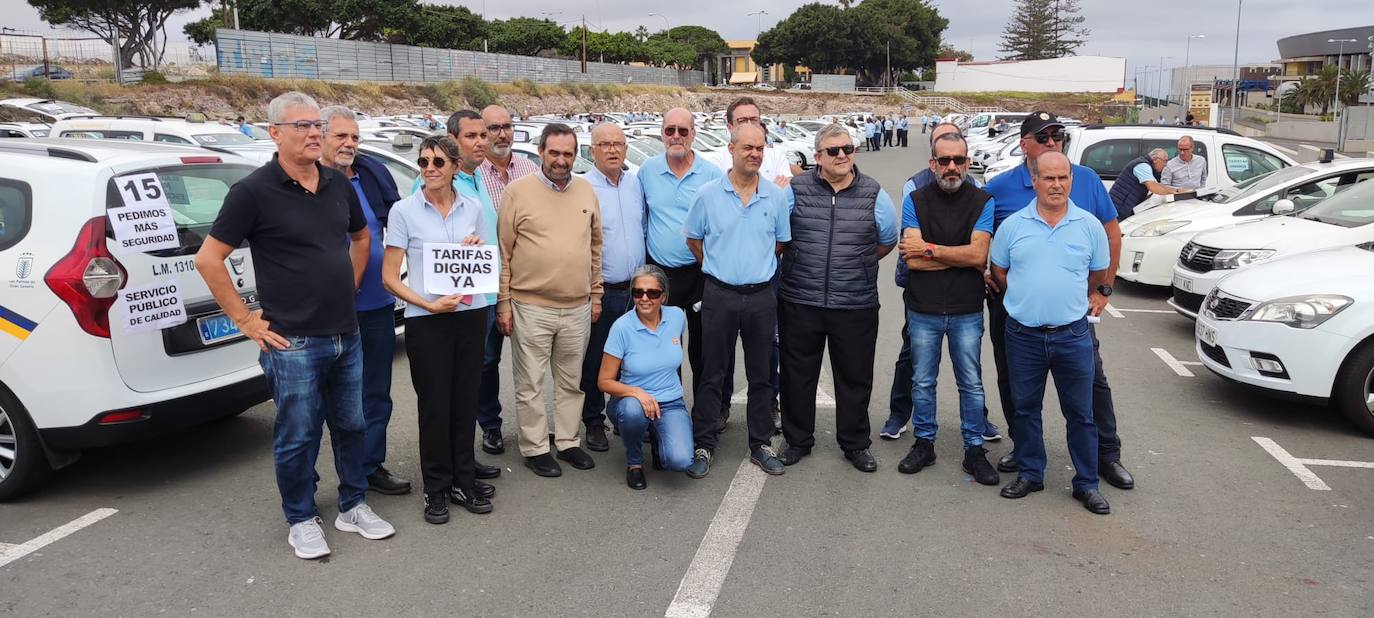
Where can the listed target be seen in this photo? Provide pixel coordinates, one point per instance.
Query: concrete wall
(832, 83)
(1302, 130)
(1068, 74)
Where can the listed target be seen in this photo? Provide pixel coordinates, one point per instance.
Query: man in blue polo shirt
(1047, 256)
(1041, 132)
(736, 227)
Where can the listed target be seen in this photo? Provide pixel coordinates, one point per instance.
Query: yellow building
(737, 67)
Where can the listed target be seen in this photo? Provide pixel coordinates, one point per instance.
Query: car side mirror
(1283, 207)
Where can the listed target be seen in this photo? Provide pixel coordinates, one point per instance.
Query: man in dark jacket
(1138, 180)
(842, 224)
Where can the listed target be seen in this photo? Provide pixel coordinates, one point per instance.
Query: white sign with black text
(152, 307)
(461, 269)
(145, 222)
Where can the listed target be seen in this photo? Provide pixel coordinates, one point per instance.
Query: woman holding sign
(639, 370)
(433, 230)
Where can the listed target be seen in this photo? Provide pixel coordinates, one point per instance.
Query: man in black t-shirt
(309, 240)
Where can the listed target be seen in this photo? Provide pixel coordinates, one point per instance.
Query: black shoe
(1093, 500)
(922, 454)
(793, 454)
(384, 482)
(724, 420)
(473, 503)
(543, 465)
(596, 438)
(492, 444)
(436, 508)
(976, 464)
(1115, 474)
(1008, 463)
(482, 490)
(1020, 488)
(577, 457)
(634, 477)
(862, 459)
(777, 418)
(486, 472)
(764, 457)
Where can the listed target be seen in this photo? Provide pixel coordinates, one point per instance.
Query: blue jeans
(965, 332)
(377, 331)
(489, 393)
(899, 398)
(673, 426)
(1067, 354)
(614, 303)
(318, 380)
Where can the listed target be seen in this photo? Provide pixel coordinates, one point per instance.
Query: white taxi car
(75, 370)
(195, 130)
(1301, 326)
(1344, 218)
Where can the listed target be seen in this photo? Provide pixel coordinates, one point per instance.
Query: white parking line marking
(15, 552)
(1114, 312)
(1172, 362)
(4, 547)
(700, 586)
(1145, 310)
(1294, 465)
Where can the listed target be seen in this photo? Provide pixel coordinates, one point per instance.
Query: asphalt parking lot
(1217, 524)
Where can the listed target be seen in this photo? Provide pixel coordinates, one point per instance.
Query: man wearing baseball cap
(1042, 132)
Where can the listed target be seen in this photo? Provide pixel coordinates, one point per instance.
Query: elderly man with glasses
(1187, 171)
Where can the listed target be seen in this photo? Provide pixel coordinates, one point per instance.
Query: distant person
(1138, 180)
(244, 127)
(925, 122)
(888, 127)
(1187, 171)
(903, 128)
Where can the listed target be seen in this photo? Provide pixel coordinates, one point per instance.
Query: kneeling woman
(445, 335)
(639, 371)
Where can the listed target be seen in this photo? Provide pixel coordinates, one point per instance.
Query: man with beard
(947, 226)
(549, 227)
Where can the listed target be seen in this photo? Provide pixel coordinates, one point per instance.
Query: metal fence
(86, 58)
(265, 54)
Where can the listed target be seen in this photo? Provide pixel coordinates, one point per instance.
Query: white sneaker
(362, 520)
(307, 538)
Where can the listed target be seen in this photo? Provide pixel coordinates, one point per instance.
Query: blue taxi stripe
(16, 319)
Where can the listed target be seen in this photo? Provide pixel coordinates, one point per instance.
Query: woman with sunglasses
(445, 335)
(639, 371)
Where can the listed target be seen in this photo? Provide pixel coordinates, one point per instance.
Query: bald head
(752, 132)
(746, 150)
(679, 131)
(608, 149)
(1052, 176)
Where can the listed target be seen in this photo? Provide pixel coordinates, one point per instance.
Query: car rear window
(16, 212)
(195, 193)
(222, 139)
(136, 136)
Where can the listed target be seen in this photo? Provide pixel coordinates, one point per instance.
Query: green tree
(949, 51)
(1043, 29)
(303, 17)
(603, 46)
(663, 53)
(707, 43)
(1353, 84)
(137, 22)
(202, 31)
(524, 36)
(907, 31)
(642, 33)
(453, 27)
(828, 38)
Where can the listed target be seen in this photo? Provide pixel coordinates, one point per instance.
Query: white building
(1067, 74)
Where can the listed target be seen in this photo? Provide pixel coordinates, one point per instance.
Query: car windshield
(709, 139)
(59, 107)
(1351, 206)
(222, 139)
(1259, 184)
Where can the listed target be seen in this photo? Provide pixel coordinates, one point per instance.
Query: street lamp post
(1187, 74)
(760, 13)
(1159, 79)
(669, 32)
(1336, 115)
(1235, 65)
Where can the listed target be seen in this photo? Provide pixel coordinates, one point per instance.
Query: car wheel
(1354, 388)
(23, 465)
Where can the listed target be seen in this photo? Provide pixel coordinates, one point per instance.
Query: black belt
(623, 285)
(1048, 329)
(742, 289)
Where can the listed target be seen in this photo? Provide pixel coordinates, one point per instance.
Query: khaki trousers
(542, 334)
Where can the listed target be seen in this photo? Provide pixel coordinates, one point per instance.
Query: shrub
(40, 88)
(153, 77)
(477, 93)
(528, 87)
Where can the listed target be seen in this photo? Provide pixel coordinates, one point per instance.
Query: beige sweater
(550, 244)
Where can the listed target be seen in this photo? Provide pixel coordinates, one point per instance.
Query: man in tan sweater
(549, 227)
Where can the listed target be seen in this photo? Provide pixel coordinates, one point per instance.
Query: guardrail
(937, 102)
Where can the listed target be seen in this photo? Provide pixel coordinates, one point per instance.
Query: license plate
(1183, 283)
(1206, 334)
(217, 328)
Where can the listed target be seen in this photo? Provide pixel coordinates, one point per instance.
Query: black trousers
(1104, 411)
(852, 336)
(728, 316)
(684, 290)
(887, 137)
(445, 353)
(901, 137)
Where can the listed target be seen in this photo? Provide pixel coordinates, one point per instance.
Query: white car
(988, 152)
(1301, 326)
(40, 110)
(193, 132)
(1343, 219)
(814, 126)
(1152, 239)
(73, 375)
(24, 129)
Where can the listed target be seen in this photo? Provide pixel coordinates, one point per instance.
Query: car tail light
(88, 279)
(121, 416)
(196, 160)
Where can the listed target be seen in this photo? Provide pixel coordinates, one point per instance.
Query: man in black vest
(946, 227)
(842, 224)
(1138, 180)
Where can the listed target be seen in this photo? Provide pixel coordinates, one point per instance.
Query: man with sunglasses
(842, 224)
(1042, 132)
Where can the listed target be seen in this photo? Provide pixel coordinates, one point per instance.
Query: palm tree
(1353, 84)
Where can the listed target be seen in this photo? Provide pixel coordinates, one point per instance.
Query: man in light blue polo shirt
(622, 252)
(670, 183)
(736, 227)
(1047, 256)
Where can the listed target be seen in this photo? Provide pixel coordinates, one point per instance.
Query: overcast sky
(1153, 28)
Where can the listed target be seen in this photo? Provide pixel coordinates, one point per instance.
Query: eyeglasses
(1044, 138)
(610, 145)
(680, 131)
(439, 162)
(302, 125)
(739, 120)
(945, 161)
(497, 128)
(835, 151)
(652, 294)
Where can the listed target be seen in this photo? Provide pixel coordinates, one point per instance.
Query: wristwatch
(1104, 289)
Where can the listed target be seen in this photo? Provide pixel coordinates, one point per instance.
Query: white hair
(328, 114)
(277, 109)
(828, 131)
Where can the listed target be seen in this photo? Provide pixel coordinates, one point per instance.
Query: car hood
(1339, 270)
(1185, 209)
(1285, 234)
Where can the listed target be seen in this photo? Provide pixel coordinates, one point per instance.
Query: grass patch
(528, 87)
(988, 98)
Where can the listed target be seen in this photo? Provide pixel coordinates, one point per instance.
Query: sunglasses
(835, 151)
(439, 162)
(653, 294)
(945, 161)
(679, 131)
(1044, 138)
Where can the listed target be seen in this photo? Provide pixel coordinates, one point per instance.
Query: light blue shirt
(1143, 172)
(669, 199)
(472, 185)
(738, 241)
(414, 221)
(912, 220)
(1013, 190)
(622, 225)
(1048, 267)
(902, 123)
(649, 359)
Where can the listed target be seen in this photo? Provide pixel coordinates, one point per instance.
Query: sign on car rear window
(195, 194)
